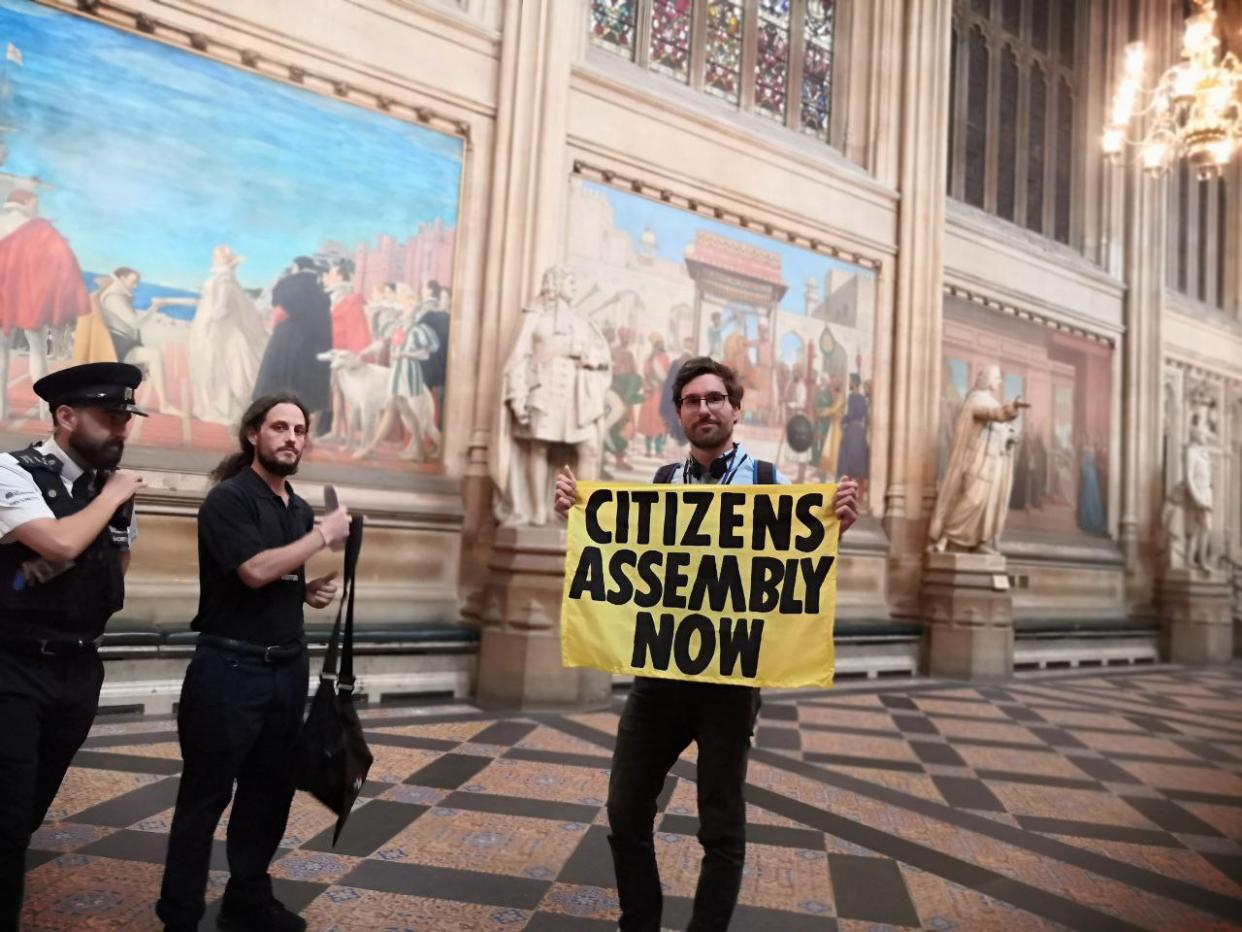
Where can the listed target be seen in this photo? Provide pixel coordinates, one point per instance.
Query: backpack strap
(665, 473)
(765, 473)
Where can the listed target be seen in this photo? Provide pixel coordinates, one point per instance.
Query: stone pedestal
(1196, 616)
(520, 647)
(969, 611)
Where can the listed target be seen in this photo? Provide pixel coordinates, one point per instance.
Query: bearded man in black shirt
(245, 689)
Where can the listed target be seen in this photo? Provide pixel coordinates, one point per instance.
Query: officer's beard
(97, 454)
(278, 467)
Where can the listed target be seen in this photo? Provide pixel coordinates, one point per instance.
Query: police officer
(65, 534)
(245, 689)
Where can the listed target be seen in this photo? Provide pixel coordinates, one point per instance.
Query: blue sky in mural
(153, 155)
(674, 229)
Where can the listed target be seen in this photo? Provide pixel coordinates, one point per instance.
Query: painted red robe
(41, 282)
(350, 330)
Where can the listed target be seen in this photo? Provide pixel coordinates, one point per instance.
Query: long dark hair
(253, 419)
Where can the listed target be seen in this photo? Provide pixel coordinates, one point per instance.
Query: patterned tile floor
(1086, 801)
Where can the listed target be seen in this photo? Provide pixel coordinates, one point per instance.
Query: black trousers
(238, 720)
(660, 720)
(47, 705)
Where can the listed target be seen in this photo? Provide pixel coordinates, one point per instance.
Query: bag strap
(665, 473)
(765, 473)
(345, 681)
(352, 548)
(328, 673)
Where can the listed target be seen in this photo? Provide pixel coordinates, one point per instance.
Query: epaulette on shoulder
(31, 458)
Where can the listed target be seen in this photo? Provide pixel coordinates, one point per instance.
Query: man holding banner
(677, 587)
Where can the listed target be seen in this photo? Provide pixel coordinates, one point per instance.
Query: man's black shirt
(239, 518)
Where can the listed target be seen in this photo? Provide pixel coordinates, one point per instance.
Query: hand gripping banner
(716, 584)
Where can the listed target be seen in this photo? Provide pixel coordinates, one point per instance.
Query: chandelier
(1193, 112)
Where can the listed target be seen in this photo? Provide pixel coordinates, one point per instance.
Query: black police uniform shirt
(20, 499)
(239, 518)
(21, 502)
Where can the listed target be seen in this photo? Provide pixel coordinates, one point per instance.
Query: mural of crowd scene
(229, 234)
(664, 284)
(1061, 461)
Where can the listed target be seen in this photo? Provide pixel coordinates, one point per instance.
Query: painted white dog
(364, 388)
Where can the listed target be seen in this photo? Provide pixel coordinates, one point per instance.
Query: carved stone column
(511, 578)
(1196, 618)
(923, 29)
(520, 653)
(969, 611)
(1146, 222)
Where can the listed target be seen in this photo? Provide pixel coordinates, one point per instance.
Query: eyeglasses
(715, 401)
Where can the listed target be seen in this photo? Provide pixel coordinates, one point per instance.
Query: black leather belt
(51, 648)
(273, 653)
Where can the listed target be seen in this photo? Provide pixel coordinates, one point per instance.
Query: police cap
(108, 385)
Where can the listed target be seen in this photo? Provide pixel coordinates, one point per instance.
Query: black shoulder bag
(333, 757)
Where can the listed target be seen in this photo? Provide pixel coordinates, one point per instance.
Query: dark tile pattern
(965, 793)
(367, 829)
(870, 889)
(1084, 801)
(450, 771)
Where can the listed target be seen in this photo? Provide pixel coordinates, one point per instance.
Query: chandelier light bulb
(1216, 100)
(1185, 79)
(1154, 154)
(1136, 60)
(1221, 152)
(1113, 140)
(1199, 38)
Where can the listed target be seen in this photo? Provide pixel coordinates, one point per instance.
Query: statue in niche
(1188, 509)
(553, 391)
(974, 497)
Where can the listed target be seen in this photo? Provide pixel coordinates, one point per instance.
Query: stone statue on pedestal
(1188, 509)
(554, 386)
(974, 496)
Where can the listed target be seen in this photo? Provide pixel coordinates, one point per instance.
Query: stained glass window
(1036, 142)
(1222, 238)
(724, 49)
(1040, 11)
(670, 36)
(772, 59)
(1065, 160)
(954, 115)
(1183, 226)
(977, 119)
(705, 43)
(1011, 16)
(1013, 111)
(817, 67)
(1204, 193)
(1067, 30)
(612, 25)
(1007, 128)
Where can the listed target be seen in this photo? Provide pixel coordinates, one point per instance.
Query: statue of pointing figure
(553, 389)
(974, 496)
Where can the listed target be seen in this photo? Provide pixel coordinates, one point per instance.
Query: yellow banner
(717, 584)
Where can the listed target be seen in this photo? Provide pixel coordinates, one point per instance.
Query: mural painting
(227, 233)
(664, 284)
(1061, 460)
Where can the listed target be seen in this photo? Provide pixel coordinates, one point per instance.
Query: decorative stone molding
(1032, 316)
(695, 205)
